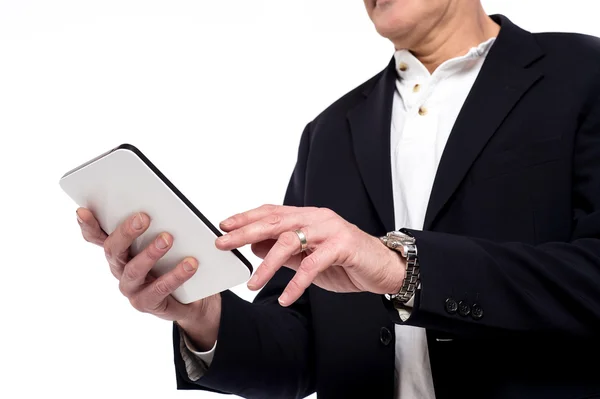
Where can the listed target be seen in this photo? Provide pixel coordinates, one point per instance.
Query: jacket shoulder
(341, 106)
(577, 47)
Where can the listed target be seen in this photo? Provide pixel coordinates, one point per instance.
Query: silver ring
(303, 242)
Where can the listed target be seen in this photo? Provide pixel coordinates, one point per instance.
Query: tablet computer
(123, 181)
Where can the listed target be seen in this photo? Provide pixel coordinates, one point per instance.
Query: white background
(216, 93)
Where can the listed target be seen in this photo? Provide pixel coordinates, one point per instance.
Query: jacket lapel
(370, 124)
(502, 81)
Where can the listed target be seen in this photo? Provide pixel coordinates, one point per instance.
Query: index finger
(90, 228)
(118, 242)
(251, 216)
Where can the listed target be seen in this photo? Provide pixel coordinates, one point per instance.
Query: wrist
(202, 324)
(398, 271)
(404, 244)
(394, 269)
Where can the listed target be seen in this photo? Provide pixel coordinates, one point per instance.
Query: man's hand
(145, 292)
(340, 257)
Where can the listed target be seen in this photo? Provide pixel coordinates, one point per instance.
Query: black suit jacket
(510, 252)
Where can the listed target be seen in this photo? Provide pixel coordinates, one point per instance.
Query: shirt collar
(409, 67)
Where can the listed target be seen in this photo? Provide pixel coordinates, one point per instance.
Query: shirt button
(385, 336)
(464, 309)
(476, 312)
(416, 88)
(422, 111)
(451, 306)
(403, 67)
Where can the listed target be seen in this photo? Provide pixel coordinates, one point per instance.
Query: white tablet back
(122, 182)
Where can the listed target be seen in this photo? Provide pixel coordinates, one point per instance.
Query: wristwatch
(406, 245)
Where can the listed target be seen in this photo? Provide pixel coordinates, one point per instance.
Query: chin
(392, 28)
(393, 18)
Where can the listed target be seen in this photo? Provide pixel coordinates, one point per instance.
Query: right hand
(145, 292)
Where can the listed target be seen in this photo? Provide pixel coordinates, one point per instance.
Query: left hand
(340, 257)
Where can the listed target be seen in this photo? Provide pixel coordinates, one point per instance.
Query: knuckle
(288, 239)
(266, 266)
(119, 261)
(152, 253)
(351, 228)
(340, 225)
(236, 218)
(262, 230)
(125, 231)
(268, 207)
(99, 240)
(179, 277)
(326, 213)
(137, 303)
(86, 237)
(310, 262)
(115, 271)
(294, 285)
(161, 287)
(345, 233)
(160, 308)
(131, 273)
(122, 287)
(240, 218)
(107, 249)
(273, 219)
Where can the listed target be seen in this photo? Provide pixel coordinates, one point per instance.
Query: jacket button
(476, 312)
(464, 309)
(451, 306)
(385, 336)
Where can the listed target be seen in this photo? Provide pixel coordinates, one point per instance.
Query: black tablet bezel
(179, 194)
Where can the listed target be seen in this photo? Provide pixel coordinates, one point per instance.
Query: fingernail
(226, 222)
(283, 299)
(80, 220)
(138, 222)
(162, 242)
(188, 266)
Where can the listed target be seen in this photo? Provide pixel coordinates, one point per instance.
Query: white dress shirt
(424, 111)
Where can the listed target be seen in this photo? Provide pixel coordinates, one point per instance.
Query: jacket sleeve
(514, 288)
(263, 350)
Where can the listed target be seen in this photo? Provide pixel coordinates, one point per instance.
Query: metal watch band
(406, 246)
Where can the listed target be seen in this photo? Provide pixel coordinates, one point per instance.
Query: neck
(454, 34)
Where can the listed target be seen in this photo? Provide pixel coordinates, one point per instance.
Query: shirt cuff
(411, 302)
(196, 363)
(206, 357)
(404, 313)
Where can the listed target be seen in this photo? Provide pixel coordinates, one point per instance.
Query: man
(480, 142)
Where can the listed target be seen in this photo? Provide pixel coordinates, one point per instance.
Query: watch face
(405, 239)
